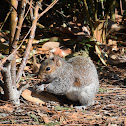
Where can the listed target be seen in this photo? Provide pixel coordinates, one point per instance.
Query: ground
(109, 110)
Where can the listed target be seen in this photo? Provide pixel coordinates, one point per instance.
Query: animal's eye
(48, 68)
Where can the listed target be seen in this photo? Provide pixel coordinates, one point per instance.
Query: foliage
(79, 25)
(87, 27)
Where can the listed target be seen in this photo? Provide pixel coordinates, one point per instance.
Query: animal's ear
(57, 60)
(51, 56)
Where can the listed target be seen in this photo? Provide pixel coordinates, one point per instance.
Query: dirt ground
(109, 110)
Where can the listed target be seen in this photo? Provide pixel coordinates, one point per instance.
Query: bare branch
(29, 45)
(5, 19)
(48, 8)
(28, 10)
(16, 39)
(36, 16)
(121, 9)
(13, 22)
(12, 5)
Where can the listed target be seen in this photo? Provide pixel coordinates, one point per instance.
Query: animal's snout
(44, 78)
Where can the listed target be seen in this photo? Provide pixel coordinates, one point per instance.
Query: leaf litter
(109, 109)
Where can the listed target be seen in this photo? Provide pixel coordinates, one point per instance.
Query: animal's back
(84, 69)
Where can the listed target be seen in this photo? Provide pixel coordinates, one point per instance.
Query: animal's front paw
(39, 88)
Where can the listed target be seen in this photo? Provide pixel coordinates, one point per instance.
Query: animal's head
(48, 69)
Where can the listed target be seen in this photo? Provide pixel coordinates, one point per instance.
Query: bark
(96, 10)
(13, 21)
(16, 39)
(10, 91)
(13, 24)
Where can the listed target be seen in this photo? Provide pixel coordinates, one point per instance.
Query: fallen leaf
(27, 94)
(50, 45)
(56, 48)
(40, 98)
(61, 52)
(100, 31)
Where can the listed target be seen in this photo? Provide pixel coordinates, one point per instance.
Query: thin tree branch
(24, 60)
(13, 23)
(96, 10)
(28, 10)
(48, 8)
(5, 19)
(4, 60)
(16, 39)
(12, 6)
(121, 9)
(29, 45)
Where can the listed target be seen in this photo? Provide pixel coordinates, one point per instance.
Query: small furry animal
(76, 78)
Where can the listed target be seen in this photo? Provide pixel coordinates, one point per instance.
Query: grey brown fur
(76, 78)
